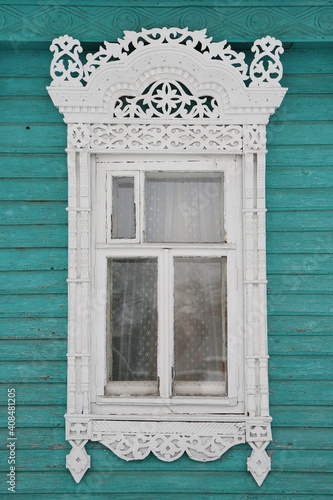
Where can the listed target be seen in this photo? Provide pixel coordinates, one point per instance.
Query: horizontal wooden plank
(299, 177)
(309, 416)
(308, 84)
(33, 328)
(18, 109)
(48, 438)
(300, 324)
(173, 3)
(36, 259)
(33, 372)
(27, 87)
(302, 416)
(300, 242)
(33, 137)
(233, 460)
(177, 482)
(299, 263)
(285, 155)
(171, 496)
(301, 439)
(39, 438)
(34, 166)
(302, 220)
(32, 212)
(292, 133)
(301, 345)
(28, 282)
(294, 108)
(299, 283)
(300, 368)
(34, 236)
(299, 199)
(29, 349)
(299, 392)
(31, 189)
(36, 416)
(36, 393)
(299, 304)
(43, 306)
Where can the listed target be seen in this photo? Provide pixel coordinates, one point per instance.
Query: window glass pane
(123, 208)
(184, 208)
(200, 322)
(132, 326)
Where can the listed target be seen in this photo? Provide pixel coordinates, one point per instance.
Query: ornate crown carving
(68, 69)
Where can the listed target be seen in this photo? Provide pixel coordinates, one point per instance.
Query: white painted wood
(126, 113)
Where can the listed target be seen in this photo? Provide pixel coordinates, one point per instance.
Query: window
(167, 340)
(168, 321)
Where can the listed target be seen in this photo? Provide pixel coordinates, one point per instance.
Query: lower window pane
(200, 325)
(132, 326)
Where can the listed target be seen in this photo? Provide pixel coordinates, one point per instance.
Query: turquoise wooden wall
(33, 252)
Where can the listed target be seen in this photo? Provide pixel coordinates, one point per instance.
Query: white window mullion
(141, 206)
(165, 324)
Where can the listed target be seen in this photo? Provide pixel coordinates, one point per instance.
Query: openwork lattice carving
(175, 106)
(266, 68)
(144, 137)
(166, 99)
(170, 37)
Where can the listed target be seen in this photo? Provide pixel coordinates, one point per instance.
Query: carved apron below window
(167, 335)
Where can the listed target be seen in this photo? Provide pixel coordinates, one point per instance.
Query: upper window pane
(184, 208)
(123, 208)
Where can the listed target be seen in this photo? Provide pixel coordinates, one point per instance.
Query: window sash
(165, 300)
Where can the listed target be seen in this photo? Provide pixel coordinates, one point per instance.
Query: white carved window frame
(225, 120)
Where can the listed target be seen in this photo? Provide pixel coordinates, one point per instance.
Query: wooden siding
(33, 255)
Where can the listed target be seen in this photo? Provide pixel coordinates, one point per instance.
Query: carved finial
(66, 67)
(266, 68)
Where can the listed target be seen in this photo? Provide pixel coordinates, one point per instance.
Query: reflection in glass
(132, 326)
(200, 322)
(123, 208)
(184, 208)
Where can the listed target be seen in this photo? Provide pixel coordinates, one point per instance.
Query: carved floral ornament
(166, 91)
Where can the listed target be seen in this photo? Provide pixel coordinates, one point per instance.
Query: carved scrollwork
(196, 40)
(66, 67)
(166, 99)
(143, 137)
(266, 68)
(168, 441)
(168, 447)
